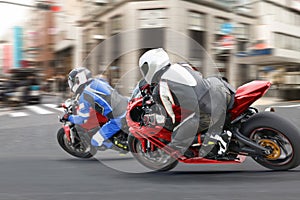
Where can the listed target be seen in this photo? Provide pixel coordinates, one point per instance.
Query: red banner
(7, 58)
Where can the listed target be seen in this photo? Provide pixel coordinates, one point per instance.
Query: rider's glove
(154, 119)
(64, 118)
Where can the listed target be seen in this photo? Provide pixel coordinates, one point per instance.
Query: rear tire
(152, 163)
(80, 152)
(279, 135)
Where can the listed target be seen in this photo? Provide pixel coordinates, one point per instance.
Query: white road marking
(18, 114)
(38, 110)
(287, 106)
(35, 108)
(54, 106)
(4, 111)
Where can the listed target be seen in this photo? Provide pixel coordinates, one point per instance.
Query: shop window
(116, 24)
(218, 23)
(196, 21)
(152, 37)
(242, 30)
(197, 44)
(152, 18)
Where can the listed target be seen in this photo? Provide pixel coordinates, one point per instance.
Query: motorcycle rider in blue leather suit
(96, 93)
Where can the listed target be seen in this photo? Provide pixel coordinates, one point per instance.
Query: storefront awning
(273, 56)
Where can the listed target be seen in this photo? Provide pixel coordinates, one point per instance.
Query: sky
(12, 15)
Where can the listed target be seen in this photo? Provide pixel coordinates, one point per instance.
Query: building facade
(39, 40)
(277, 55)
(67, 40)
(150, 24)
(242, 39)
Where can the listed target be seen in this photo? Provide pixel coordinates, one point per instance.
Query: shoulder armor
(179, 74)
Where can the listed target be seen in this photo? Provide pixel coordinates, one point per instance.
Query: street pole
(42, 6)
(17, 4)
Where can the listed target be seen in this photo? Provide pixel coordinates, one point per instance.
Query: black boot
(215, 145)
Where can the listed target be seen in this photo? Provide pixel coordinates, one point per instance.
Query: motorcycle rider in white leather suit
(179, 85)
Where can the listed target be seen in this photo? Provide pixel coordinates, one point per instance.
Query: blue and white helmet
(78, 77)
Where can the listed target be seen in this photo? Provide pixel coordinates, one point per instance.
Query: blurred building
(276, 49)
(67, 36)
(39, 40)
(246, 39)
(7, 58)
(214, 24)
(2, 56)
(6, 53)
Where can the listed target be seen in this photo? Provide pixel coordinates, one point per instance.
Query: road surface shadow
(77, 160)
(215, 176)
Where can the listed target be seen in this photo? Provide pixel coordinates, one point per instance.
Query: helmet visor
(145, 69)
(71, 83)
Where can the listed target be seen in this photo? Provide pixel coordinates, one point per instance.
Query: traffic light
(43, 6)
(47, 6)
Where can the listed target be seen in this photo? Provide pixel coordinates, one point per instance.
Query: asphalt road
(33, 167)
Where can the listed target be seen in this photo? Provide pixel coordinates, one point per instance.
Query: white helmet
(152, 61)
(78, 77)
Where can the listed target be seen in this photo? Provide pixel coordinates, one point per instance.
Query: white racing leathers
(202, 103)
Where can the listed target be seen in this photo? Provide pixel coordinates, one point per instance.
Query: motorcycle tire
(279, 135)
(62, 141)
(134, 146)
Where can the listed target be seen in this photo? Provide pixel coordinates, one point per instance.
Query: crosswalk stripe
(38, 110)
(18, 114)
(54, 106)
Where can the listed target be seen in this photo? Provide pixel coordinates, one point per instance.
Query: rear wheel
(78, 150)
(278, 135)
(156, 160)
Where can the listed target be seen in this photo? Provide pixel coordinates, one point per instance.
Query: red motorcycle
(269, 139)
(75, 139)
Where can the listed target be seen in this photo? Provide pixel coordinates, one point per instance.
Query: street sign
(227, 42)
(226, 28)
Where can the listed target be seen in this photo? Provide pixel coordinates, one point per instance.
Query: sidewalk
(272, 100)
(267, 101)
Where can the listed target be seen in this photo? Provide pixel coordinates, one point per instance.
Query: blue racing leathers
(99, 95)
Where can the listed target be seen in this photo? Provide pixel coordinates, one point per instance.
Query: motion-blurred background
(247, 39)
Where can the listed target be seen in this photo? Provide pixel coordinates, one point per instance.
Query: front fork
(69, 133)
(147, 145)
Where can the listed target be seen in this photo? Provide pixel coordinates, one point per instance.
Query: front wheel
(156, 160)
(278, 135)
(79, 150)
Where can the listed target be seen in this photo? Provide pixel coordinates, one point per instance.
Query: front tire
(80, 151)
(277, 134)
(160, 162)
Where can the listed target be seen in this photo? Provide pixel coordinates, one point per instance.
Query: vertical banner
(7, 58)
(18, 46)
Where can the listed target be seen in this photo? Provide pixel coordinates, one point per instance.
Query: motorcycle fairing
(95, 120)
(144, 133)
(246, 95)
